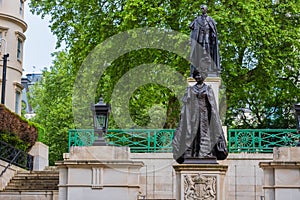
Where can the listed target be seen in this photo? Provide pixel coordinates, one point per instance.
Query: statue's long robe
(189, 122)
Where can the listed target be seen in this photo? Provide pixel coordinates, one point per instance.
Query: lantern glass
(100, 121)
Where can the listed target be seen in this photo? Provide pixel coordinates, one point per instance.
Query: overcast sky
(39, 44)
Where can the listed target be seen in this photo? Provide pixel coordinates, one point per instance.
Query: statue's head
(199, 76)
(203, 9)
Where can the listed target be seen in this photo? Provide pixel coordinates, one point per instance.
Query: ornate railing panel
(139, 140)
(19, 158)
(260, 140)
(142, 140)
(81, 137)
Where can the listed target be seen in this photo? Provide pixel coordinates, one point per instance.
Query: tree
(262, 46)
(259, 47)
(52, 102)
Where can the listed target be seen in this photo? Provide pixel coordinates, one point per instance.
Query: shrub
(12, 124)
(14, 140)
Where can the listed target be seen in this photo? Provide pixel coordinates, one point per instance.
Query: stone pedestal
(40, 153)
(200, 181)
(99, 172)
(281, 176)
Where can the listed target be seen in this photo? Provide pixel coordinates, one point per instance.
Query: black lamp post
(297, 115)
(5, 56)
(100, 112)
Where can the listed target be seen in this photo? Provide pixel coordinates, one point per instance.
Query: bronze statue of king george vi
(204, 54)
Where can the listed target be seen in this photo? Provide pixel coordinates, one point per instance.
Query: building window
(19, 50)
(3, 31)
(18, 99)
(21, 7)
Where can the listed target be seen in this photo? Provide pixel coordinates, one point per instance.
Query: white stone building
(12, 28)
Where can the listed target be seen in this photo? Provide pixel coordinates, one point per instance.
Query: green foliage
(14, 140)
(39, 128)
(259, 44)
(23, 130)
(260, 58)
(52, 100)
(41, 133)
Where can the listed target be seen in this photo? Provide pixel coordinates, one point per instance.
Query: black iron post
(5, 56)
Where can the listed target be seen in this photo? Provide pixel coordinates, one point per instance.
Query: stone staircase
(41, 185)
(46, 180)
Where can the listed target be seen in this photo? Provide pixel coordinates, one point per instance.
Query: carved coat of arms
(200, 187)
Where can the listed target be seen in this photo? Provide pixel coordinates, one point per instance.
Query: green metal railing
(81, 137)
(139, 140)
(260, 140)
(152, 140)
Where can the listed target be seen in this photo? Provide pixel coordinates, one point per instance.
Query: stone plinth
(286, 154)
(281, 176)
(99, 172)
(200, 181)
(40, 152)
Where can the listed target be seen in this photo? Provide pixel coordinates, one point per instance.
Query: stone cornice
(196, 167)
(3, 28)
(100, 163)
(13, 68)
(16, 20)
(21, 35)
(18, 85)
(280, 164)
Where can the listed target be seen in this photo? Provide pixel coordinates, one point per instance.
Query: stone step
(30, 189)
(51, 177)
(46, 180)
(41, 182)
(29, 195)
(51, 168)
(37, 173)
(37, 186)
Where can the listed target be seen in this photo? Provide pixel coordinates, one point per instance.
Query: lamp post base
(100, 142)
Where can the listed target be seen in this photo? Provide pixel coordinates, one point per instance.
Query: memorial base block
(99, 172)
(282, 175)
(200, 181)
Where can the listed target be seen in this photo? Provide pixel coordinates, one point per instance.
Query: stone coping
(88, 153)
(102, 186)
(90, 163)
(203, 167)
(231, 156)
(37, 192)
(282, 187)
(286, 154)
(280, 164)
(150, 156)
(250, 156)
